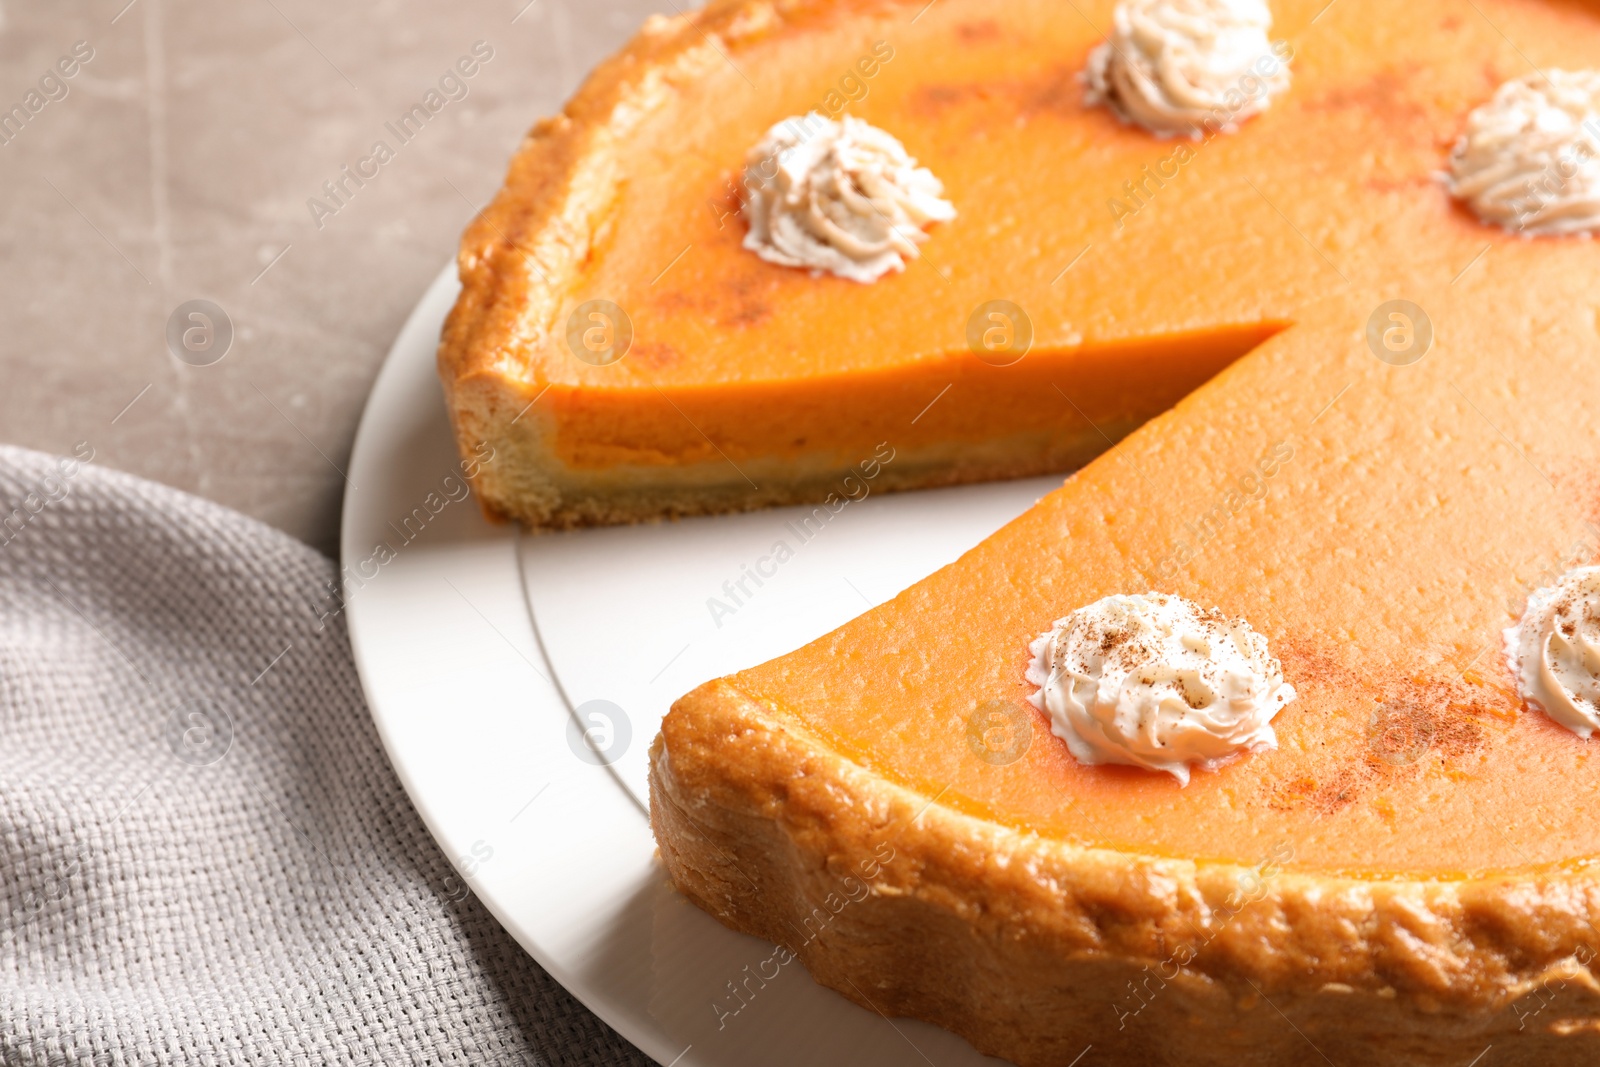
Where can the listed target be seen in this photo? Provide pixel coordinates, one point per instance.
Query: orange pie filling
(1378, 523)
(1407, 751)
(1077, 401)
(1274, 492)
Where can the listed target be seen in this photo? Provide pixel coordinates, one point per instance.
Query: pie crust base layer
(1033, 949)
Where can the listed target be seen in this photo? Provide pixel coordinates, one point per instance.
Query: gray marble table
(157, 152)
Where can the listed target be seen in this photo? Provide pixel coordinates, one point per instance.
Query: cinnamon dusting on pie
(1410, 727)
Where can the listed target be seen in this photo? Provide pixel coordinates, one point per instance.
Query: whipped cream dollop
(838, 196)
(1153, 681)
(1529, 160)
(1187, 66)
(1554, 652)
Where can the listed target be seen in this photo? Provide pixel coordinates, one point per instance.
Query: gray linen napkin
(204, 855)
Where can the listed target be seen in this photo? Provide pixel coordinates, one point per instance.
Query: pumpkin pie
(1331, 401)
(623, 357)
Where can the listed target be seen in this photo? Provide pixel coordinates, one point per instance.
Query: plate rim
(595, 837)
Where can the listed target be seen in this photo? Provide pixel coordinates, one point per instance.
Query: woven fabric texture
(204, 856)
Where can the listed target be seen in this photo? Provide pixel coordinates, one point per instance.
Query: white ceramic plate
(479, 648)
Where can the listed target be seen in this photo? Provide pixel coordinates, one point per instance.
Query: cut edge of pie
(521, 403)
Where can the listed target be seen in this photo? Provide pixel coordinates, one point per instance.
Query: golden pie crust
(1033, 949)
